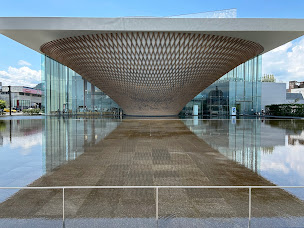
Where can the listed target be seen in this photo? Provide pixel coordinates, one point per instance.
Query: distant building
(275, 93)
(295, 85)
(22, 97)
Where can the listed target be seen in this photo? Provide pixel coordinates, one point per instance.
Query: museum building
(152, 66)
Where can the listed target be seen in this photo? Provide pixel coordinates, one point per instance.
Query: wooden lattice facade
(151, 73)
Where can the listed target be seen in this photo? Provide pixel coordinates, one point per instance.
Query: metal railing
(156, 188)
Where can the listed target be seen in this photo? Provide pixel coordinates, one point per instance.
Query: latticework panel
(151, 73)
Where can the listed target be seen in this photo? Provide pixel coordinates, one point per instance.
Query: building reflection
(292, 129)
(2, 129)
(65, 139)
(33, 147)
(61, 139)
(238, 140)
(13, 129)
(245, 140)
(21, 153)
(21, 134)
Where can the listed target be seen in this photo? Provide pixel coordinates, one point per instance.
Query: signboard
(32, 91)
(233, 111)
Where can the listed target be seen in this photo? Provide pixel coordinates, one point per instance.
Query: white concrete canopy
(35, 31)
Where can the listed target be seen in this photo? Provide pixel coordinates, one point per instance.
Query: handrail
(156, 192)
(153, 187)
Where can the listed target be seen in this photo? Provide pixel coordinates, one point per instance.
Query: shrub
(2, 104)
(33, 111)
(285, 110)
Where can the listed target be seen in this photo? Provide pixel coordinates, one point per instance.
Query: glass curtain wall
(66, 92)
(240, 88)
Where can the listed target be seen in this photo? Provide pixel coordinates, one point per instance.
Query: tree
(268, 78)
(2, 104)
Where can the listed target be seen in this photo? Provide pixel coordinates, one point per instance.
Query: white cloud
(275, 166)
(284, 47)
(26, 143)
(24, 63)
(286, 62)
(23, 76)
(284, 159)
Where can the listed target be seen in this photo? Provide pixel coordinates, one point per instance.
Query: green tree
(2, 104)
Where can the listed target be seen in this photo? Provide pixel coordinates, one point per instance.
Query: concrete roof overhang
(35, 31)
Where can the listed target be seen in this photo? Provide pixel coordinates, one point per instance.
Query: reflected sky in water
(272, 148)
(21, 153)
(31, 148)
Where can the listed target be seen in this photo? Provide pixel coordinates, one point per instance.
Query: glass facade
(240, 88)
(67, 92)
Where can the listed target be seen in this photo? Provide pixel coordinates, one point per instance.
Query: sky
(20, 65)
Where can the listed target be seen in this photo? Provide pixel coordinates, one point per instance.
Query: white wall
(273, 93)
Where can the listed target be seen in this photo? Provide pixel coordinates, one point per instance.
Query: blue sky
(20, 65)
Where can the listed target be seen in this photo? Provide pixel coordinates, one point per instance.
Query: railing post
(156, 205)
(63, 225)
(249, 209)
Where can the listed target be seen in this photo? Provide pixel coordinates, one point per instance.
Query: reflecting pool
(274, 149)
(51, 151)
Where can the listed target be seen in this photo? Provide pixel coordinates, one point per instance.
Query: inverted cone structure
(151, 73)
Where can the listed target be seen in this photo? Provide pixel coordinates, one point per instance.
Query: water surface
(151, 152)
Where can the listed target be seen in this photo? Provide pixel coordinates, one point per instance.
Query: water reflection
(31, 148)
(75, 152)
(66, 139)
(272, 148)
(20, 153)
